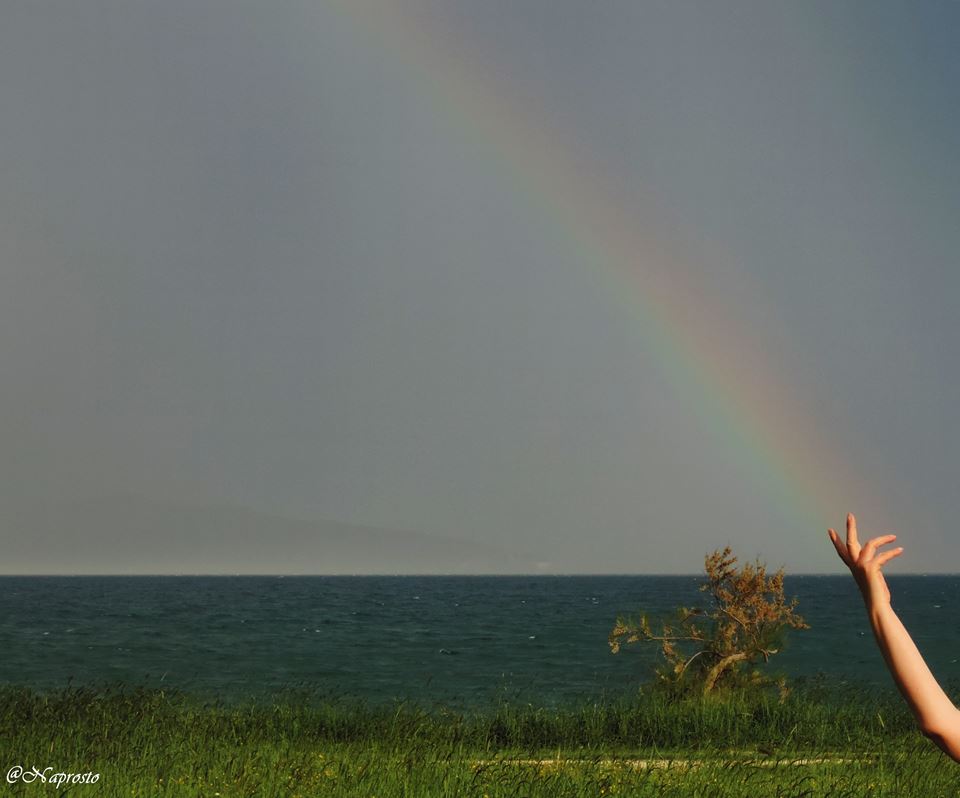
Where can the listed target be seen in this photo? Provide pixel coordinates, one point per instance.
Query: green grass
(149, 743)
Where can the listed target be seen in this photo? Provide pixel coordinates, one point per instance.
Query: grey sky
(249, 257)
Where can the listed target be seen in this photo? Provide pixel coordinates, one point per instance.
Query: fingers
(852, 542)
(852, 553)
(884, 558)
(838, 545)
(871, 546)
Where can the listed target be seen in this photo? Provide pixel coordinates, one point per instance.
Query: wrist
(877, 605)
(874, 592)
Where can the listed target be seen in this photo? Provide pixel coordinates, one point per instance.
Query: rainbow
(723, 374)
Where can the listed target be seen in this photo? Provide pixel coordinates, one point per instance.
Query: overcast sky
(304, 258)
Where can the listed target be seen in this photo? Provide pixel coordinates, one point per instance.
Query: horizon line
(383, 574)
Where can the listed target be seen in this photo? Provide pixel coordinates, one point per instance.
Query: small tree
(746, 623)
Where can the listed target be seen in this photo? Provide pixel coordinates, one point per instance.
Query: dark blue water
(457, 640)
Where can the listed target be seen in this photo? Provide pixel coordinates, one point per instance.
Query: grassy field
(148, 743)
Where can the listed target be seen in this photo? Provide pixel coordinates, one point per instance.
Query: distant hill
(136, 535)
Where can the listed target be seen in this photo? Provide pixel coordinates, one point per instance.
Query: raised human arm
(938, 718)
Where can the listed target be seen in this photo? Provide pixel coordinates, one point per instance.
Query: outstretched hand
(864, 562)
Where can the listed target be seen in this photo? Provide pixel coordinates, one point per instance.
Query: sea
(455, 641)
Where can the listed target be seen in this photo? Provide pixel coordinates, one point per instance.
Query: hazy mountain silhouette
(136, 535)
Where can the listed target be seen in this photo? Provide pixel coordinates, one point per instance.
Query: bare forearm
(938, 717)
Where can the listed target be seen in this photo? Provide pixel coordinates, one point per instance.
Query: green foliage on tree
(706, 648)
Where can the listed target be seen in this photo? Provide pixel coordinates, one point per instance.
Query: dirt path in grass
(647, 764)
